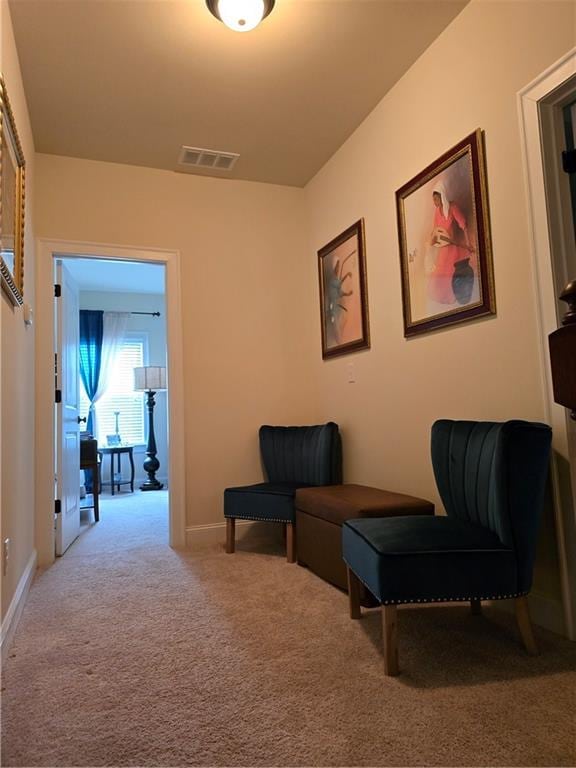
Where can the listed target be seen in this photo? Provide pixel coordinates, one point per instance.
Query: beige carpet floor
(131, 654)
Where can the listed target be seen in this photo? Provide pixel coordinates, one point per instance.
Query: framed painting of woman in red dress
(445, 249)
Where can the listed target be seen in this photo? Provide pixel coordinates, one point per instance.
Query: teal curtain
(91, 334)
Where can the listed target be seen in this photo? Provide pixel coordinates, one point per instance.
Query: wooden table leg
(119, 457)
(131, 457)
(95, 492)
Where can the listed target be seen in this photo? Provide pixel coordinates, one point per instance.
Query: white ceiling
(116, 276)
(131, 81)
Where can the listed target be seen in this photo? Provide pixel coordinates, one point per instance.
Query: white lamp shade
(149, 377)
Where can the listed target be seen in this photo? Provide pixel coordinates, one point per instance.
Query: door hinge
(58, 396)
(569, 161)
(57, 506)
(57, 290)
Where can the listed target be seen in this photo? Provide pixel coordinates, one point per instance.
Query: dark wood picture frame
(12, 180)
(343, 293)
(445, 246)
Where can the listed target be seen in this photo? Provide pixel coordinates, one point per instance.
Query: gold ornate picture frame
(12, 178)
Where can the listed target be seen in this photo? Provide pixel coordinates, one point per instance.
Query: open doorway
(119, 394)
(50, 251)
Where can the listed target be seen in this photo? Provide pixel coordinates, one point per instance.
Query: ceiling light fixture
(240, 15)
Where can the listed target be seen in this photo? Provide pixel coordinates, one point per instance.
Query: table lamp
(150, 379)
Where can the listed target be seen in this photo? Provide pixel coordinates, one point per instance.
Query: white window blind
(121, 397)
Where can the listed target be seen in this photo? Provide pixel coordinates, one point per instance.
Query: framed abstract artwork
(12, 170)
(343, 293)
(445, 248)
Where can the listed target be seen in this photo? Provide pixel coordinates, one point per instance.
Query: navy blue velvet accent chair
(492, 479)
(293, 457)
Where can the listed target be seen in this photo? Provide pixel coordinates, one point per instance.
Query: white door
(67, 411)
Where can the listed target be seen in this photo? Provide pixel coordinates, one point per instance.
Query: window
(121, 397)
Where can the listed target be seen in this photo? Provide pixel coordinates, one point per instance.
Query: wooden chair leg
(390, 640)
(230, 534)
(96, 495)
(290, 543)
(475, 607)
(524, 625)
(353, 594)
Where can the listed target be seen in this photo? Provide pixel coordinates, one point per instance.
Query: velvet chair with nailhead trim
(293, 457)
(492, 479)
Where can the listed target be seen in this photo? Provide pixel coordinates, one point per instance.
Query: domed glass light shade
(240, 15)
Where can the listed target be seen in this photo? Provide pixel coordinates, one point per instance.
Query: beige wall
(488, 369)
(247, 311)
(17, 376)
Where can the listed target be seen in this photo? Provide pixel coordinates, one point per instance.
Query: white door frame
(47, 251)
(530, 101)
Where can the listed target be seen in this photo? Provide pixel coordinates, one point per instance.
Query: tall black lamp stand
(149, 379)
(151, 465)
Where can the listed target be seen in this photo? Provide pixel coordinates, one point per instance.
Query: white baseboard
(211, 534)
(16, 606)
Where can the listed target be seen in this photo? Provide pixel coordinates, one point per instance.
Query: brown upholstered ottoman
(320, 513)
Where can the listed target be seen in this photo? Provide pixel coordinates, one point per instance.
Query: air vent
(207, 158)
